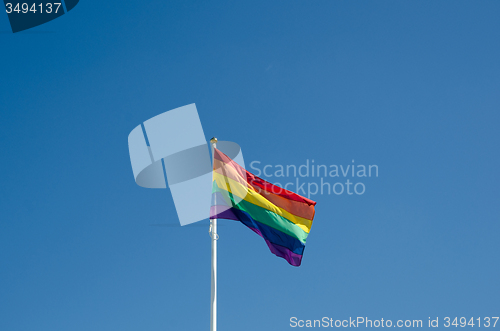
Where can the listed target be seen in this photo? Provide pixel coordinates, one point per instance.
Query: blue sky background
(412, 86)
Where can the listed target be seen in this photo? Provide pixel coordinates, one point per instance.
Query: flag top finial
(213, 140)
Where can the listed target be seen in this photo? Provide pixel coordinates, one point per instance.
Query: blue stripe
(218, 199)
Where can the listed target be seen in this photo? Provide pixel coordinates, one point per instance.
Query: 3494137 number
(485, 322)
(23, 8)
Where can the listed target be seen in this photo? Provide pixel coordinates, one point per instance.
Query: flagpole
(215, 237)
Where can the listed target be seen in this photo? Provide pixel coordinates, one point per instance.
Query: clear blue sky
(411, 86)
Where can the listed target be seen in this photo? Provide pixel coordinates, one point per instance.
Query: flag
(282, 218)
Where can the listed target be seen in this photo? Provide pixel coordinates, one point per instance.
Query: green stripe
(267, 217)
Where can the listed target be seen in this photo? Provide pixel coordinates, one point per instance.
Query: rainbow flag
(281, 217)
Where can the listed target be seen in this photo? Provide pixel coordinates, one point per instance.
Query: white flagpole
(215, 237)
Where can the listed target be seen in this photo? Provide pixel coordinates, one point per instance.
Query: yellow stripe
(255, 198)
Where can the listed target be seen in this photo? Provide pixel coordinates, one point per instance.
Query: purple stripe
(291, 257)
(222, 212)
